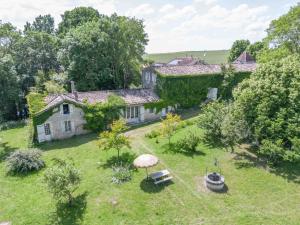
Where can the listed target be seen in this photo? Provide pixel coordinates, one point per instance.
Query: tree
(228, 82)
(76, 17)
(283, 37)
(41, 24)
(62, 180)
(169, 125)
(9, 35)
(285, 31)
(210, 120)
(269, 103)
(51, 82)
(255, 48)
(104, 54)
(238, 47)
(9, 88)
(35, 51)
(114, 139)
(222, 126)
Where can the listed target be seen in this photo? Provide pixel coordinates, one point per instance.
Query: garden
(255, 193)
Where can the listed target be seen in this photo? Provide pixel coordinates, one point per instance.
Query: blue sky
(171, 25)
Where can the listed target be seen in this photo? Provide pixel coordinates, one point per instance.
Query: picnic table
(161, 176)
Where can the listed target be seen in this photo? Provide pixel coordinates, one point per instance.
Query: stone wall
(57, 123)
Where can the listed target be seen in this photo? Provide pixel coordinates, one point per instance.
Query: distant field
(212, 57)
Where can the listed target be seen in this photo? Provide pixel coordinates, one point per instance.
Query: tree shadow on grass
(5, 151)
(289, 171)
(247, 159)
(147, 185)
(176, 149)
(69, 215)
(126, 158)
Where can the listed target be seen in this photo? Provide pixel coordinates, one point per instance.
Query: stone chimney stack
(73, 90)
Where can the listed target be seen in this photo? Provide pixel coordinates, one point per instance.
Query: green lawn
(211, 57)
(254, 195)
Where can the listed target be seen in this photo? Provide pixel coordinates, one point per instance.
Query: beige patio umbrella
(145, 161)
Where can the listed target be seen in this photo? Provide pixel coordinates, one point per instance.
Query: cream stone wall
(57, 123)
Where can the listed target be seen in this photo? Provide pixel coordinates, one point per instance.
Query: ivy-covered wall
(191, 90)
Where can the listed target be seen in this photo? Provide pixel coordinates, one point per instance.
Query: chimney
(73, 90)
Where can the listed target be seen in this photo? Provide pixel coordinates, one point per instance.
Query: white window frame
(68, 126)
(47, 129)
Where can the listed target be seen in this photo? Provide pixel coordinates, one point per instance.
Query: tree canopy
(237, 48)
(104, 54)
(269, 102)
(76, 17)
(41, 24)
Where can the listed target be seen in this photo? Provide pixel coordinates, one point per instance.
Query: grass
(254, 196)
(211, 57)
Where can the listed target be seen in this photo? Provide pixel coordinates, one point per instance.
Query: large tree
(33, 52)
(286, 30)
(104, 54)
(9, 35)
(41, 24)
(76, 17)
(269, 102)
(237, 48)
(9, 88)
(283, 37)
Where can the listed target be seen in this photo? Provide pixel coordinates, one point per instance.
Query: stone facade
(65, 123)
(62, 125)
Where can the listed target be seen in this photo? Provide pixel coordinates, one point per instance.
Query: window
(66, 109)
(68, 126)
(128, 112)
(47, 129)
(151, 110)
(131, 112)
(136, 112)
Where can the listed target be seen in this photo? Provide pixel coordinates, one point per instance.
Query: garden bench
(161, 176)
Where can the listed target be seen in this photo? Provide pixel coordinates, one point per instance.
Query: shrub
(62, 180)
(121, 174)
(22, 162)
(152, 134)
(189, 143)
(12, 124)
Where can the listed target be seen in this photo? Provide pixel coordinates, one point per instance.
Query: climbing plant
(191, 90)
(99, 115)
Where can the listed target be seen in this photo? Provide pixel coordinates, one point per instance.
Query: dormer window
(66, 109)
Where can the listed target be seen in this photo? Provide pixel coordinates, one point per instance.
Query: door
(41, 133)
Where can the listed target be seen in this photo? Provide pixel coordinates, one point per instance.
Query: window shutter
(61, 109)
(71, 108)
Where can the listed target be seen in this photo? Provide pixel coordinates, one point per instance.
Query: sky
(171, 25)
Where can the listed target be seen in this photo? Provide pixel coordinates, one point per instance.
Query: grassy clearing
(254, 195)
(212, 57)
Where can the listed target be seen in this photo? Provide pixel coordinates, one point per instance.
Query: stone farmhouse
(67, 115)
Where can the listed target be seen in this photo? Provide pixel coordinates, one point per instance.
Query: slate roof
(130, 96)
(186, 61)
(245, 57)
(202, 69)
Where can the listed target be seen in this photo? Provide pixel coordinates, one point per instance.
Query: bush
(189, 143)
(12, 124)
(152, 134)
(22, 162)
(121, 174)
(62, 180)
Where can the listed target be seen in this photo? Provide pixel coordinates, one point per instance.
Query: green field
(254, 195)
(211, 57)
